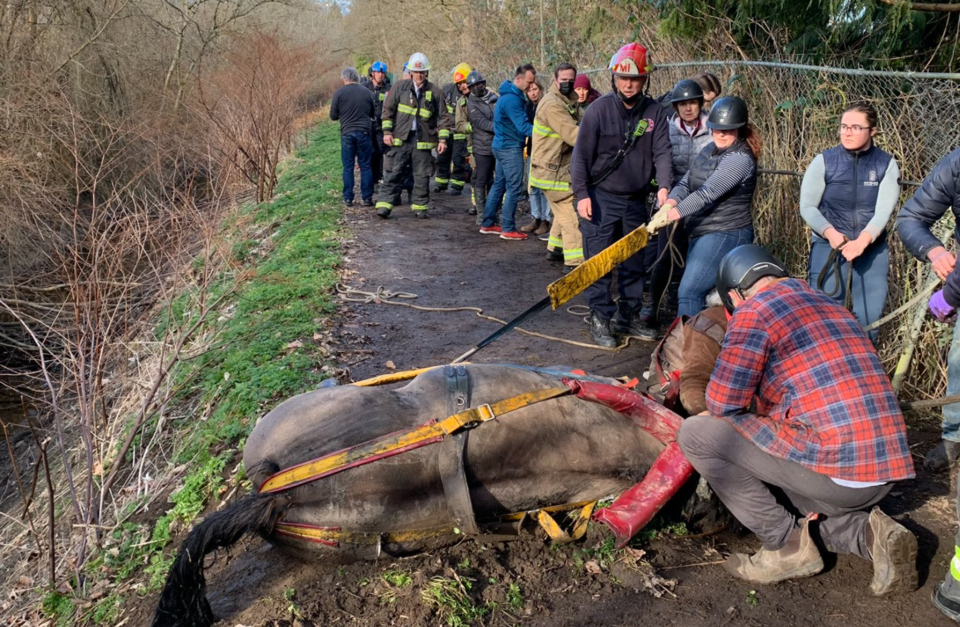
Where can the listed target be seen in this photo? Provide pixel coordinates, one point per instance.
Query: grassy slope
(285, 296)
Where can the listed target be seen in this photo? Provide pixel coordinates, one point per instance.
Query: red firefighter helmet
(631, 60)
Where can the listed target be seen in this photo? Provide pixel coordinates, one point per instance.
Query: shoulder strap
(629, 141)
(708, 327)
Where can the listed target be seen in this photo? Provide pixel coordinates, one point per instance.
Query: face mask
(630, 99)
(566, 88)
(478, 90)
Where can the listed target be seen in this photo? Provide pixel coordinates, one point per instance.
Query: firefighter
(555, 128)
(415, 121)
(624, 136)
(455, 98)
(379, 83)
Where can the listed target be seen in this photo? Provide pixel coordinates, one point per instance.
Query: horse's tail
(182, 602)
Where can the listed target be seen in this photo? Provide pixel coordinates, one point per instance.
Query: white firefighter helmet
(418, 62)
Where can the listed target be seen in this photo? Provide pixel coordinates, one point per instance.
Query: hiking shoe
(383, 212)
(949, 606)
(421, 214)
(554, 254)
(531, 226)
(600, 331)
(629, 323)
(513, 235)
(456, 191)
(894, 552)
(544, 228)
(942, 456)
(767, 566)
(491, 230)
(368, 203)
(472, 211)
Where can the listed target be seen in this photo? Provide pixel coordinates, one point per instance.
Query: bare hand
(835, 238)
(673, 214)
(855, 248)
(661, 197)
(585, 208)
(388, 139)
(441, 147)
(943, 261)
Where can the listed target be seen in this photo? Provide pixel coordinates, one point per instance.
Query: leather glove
(939, 307)
(659, 220)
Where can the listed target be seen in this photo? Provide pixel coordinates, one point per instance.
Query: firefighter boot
(894, 552)
(600, 331)
(628, 322)
(798, 558)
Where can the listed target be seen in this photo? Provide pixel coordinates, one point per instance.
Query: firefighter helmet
(631, 61)
(379, 66)
(461, 72)
(742, 267)
(418, 63)
(475, 78)
(728, 113)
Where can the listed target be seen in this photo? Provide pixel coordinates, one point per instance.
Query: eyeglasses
(856, 128)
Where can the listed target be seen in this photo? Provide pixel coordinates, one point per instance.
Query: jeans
(703, 260)
(539, 207)
(506, 189)
(357, 146)
(869, 283)
(613, 217)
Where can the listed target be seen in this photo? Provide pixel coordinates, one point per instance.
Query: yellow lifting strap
(333, 536)
(409, 439)
(393, 377)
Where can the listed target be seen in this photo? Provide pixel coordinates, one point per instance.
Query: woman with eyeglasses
(847, 198)
(714, 198)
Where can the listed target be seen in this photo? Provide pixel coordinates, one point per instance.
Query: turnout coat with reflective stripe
(555, 129)
(402, 106)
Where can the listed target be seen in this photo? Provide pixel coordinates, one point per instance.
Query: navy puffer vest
(730, 212)
(852, 184)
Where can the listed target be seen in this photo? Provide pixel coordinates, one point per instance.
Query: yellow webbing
(393, 377)
(403, 440)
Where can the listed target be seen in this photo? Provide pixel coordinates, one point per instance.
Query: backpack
(666, 362)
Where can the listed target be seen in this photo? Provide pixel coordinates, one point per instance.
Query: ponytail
(750, 135)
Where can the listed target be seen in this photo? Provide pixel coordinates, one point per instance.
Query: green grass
(453, 601)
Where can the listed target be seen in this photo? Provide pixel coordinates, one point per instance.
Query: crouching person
(799, 400)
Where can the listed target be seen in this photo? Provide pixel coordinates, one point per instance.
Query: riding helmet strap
(453, 473)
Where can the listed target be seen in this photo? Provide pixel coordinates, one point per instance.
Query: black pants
(400, 162)
(665, 277)
(482, 178)
(613, 217)
(376, 160)
(457, 157)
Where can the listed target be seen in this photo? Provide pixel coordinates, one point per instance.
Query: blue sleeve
(928, 204)
(517, 112)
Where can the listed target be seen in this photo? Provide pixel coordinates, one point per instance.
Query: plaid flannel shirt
(821, 397)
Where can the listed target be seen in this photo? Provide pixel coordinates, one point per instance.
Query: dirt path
(446, 262)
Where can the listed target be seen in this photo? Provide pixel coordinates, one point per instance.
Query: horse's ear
(182, 601)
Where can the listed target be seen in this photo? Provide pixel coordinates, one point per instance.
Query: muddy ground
(446, 262)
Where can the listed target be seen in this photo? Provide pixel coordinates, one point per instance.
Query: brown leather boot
(791, 562)
(530, 227)
(894, 552)
(543, 228)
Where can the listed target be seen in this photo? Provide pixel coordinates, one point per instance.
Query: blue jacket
(940, 191)
(511, 126)
(852, 182)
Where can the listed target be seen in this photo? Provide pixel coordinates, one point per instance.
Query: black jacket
(379, 95)
(940, 191)
(480, 114)
(353, 105)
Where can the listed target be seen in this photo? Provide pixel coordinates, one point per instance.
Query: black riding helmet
(728, 113)
(742, 267)
(475, 78)
(687, 89)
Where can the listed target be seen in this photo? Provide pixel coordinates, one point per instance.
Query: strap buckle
(486, 414)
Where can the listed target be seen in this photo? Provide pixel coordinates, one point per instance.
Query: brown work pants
(565, 228)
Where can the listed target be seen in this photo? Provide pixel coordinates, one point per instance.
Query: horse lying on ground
(354, 472)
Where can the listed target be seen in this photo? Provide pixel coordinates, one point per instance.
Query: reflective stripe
(459, 136)
(554, 186)
(449, 109)
(457, 183)
(384, 205)
(402, 108)
(428, 96)
(426, 145)
(388, 125)
(418, 207)
(555, 242)
(469, 127)
(383, 97)
(573, 254)
(544, 130)
(397, 142)
(444, 134)
(441, 181)
(469, 150)
(955, 568)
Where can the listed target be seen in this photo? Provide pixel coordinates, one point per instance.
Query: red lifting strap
(637, 506)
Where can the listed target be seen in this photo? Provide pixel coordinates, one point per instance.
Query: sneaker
(472, 211)
(383, 212)
(544, 237)
(629, 323)
(600, 331)
(942, 456)
(487, 230)
(543, 229)
(894, 552)
(647, 315)
(949, 606)
(766, 567)
(422, 215)
(513, 235)
(456, 191)
(368, 202)
(554, 254)
(531, 226)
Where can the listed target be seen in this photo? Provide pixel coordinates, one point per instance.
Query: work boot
(544, 228)
(600, 331)
(946, 598)
(798, 558)
(439, 188)
(347, 203)
(554, 254)
(479, 217)
(531, 226)
(456, 191)
(472, 211)
(421, 214)
(894, 552)
(648, 315)
(627, 322)
(368, 202)
(383, 212)
(942, 456)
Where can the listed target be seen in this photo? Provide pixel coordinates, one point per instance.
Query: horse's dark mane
(182, 602)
